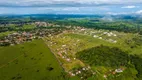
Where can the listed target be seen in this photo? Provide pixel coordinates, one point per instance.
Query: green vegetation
(116, 25)
(29, 61)
(104, 60)
(84, 47)
(113, 58)
(17, 27)
(104, 56)
(3, 34)
(26, 27)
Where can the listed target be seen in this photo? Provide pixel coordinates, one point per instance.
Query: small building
(95, 36)
(119, 70)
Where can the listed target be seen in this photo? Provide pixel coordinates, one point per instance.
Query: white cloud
(104, 8)
(71, 9)
(48, 3)
(129, 7)
(76, 6)
(59, 8)
(120, 13)
(139, 12)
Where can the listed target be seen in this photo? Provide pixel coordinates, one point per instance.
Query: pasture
(29, 61)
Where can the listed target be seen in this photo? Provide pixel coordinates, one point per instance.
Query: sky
(71, 7)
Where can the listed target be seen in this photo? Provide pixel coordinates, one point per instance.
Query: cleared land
(66, 45)
(29, 61)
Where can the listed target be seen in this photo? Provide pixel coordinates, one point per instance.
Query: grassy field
(29, 61)
(3, 34)
(34, 60)
(28, 26)
(66, 45)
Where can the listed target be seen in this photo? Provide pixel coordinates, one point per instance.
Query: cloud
(59, 8)
(64, 3)
(71, 9)
(139, 12)
(119, 13)
(129, 7)
(71, 6)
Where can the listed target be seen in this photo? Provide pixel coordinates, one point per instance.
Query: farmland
(26, 61)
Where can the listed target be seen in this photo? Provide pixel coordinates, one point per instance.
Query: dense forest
(110, 57)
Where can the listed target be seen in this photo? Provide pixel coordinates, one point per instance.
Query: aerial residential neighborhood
(70, 40)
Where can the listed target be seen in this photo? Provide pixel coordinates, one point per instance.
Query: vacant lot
(29, 61)
(66, 45)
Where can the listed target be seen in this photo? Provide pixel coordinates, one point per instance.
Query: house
(83, 69)
(105, 32)
(68, 59)
(119, 70)
(95, 36)
(100, 38)
(63, 45)
(73, 74)
(105, 76)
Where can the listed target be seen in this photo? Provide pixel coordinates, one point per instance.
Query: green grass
(88, 42)
(3, 34)
(28, 26)
(29, 61)
(79, 41)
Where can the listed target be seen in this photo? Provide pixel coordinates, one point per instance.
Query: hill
(120, 65)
